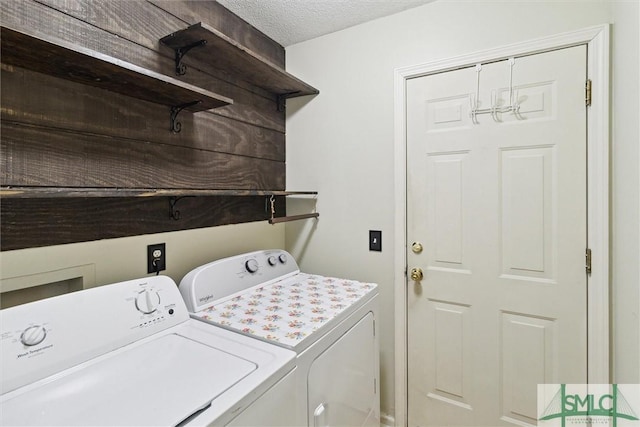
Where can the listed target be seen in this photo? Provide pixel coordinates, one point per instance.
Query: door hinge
(587, 261)
(587, 93)
(374, 328)
(375, 386)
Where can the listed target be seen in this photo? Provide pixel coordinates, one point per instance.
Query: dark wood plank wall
(59, 133)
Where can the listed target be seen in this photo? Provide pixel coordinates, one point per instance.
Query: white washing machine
(329, 322)
(129, 354)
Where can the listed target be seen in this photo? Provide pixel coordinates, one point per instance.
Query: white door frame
(597, 39)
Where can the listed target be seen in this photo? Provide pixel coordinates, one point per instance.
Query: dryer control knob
(147, 301)
(282, 258)
(33, 335)
(251, 265)
(272, 260)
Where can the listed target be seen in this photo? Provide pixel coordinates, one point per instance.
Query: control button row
(151, 322)
(252, 265)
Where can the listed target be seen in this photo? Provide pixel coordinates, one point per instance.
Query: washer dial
(33, 335)
(272, 260)
(147, 301)
(282, 258)
(251, 265)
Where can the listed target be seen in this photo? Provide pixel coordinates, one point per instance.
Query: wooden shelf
(64, 60)
(227, 55)
(73, 192)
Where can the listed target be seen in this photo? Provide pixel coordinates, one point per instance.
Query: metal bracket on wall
(181, 69)
(176, 126)
(282, 99)
(173, 212)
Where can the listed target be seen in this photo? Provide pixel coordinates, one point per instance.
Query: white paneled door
(497, 210)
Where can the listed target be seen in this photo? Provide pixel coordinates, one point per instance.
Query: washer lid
(160, 382)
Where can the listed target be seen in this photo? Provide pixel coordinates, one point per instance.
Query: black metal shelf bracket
(173, 212)
(181, 69)
(176, 126)
(283, 98)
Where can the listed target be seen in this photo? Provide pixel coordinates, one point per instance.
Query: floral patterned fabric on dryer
(287, 311)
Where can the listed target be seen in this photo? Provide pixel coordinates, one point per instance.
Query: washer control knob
(33, 335)
(251, 265)
(282, 258)
(147, 301)
(272, 260)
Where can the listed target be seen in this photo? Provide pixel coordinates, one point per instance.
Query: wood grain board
(28, 223)
(86, 152)
(33, 156)
(225, 54)
(64, 60)
(106, 26)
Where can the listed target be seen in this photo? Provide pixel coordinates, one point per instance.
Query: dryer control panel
(219, 279)
(44, 337)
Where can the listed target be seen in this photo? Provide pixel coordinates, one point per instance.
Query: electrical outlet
(156, 253)
(375, 240)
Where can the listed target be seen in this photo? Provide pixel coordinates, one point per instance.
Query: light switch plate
(375, 240)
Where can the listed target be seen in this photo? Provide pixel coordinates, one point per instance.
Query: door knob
(416, 247)
(416, 274)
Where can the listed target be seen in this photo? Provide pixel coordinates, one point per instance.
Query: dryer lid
(159, 382)
(293, 312)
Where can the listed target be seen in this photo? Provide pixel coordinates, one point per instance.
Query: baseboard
(387, 420)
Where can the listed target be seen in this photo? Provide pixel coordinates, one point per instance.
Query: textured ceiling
(293, 21)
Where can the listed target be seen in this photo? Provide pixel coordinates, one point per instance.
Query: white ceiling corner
(293, 21)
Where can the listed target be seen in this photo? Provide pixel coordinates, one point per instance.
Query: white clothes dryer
(329, 322)
(129, 354)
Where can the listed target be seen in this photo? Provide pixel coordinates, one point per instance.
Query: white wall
(625, 198)
(113, 260)
(341, 141)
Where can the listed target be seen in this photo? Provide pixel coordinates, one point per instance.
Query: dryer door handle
(318, 413)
